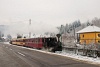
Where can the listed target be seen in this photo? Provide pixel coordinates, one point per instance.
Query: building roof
(89, 29)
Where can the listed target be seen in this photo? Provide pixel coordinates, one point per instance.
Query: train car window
(98, 35)
(23, 41)
(36, 40)
(39, 40)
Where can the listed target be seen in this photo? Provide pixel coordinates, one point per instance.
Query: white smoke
(23, 28)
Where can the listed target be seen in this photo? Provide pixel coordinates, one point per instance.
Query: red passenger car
(34, 43)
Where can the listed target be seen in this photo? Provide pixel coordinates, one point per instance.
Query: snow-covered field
(80, 57)
(70, 55)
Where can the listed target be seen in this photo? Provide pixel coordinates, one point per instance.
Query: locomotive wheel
(84, 52)
(95, 54)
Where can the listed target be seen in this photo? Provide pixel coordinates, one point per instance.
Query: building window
(83, 36)
(98, 41)
(98, 35)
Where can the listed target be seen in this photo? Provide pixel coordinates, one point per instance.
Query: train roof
(18, 38)
(89, 29)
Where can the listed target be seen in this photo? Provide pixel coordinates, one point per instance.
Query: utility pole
(29, 28)
(74, 39)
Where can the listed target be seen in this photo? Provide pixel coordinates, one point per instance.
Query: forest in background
(77, 25)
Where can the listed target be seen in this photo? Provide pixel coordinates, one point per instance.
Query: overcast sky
(52, 13)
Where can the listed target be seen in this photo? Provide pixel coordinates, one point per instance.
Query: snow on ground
(6, 42)
(70, 55)
(80, 57)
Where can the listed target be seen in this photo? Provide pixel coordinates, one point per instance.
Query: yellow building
(89, 35)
